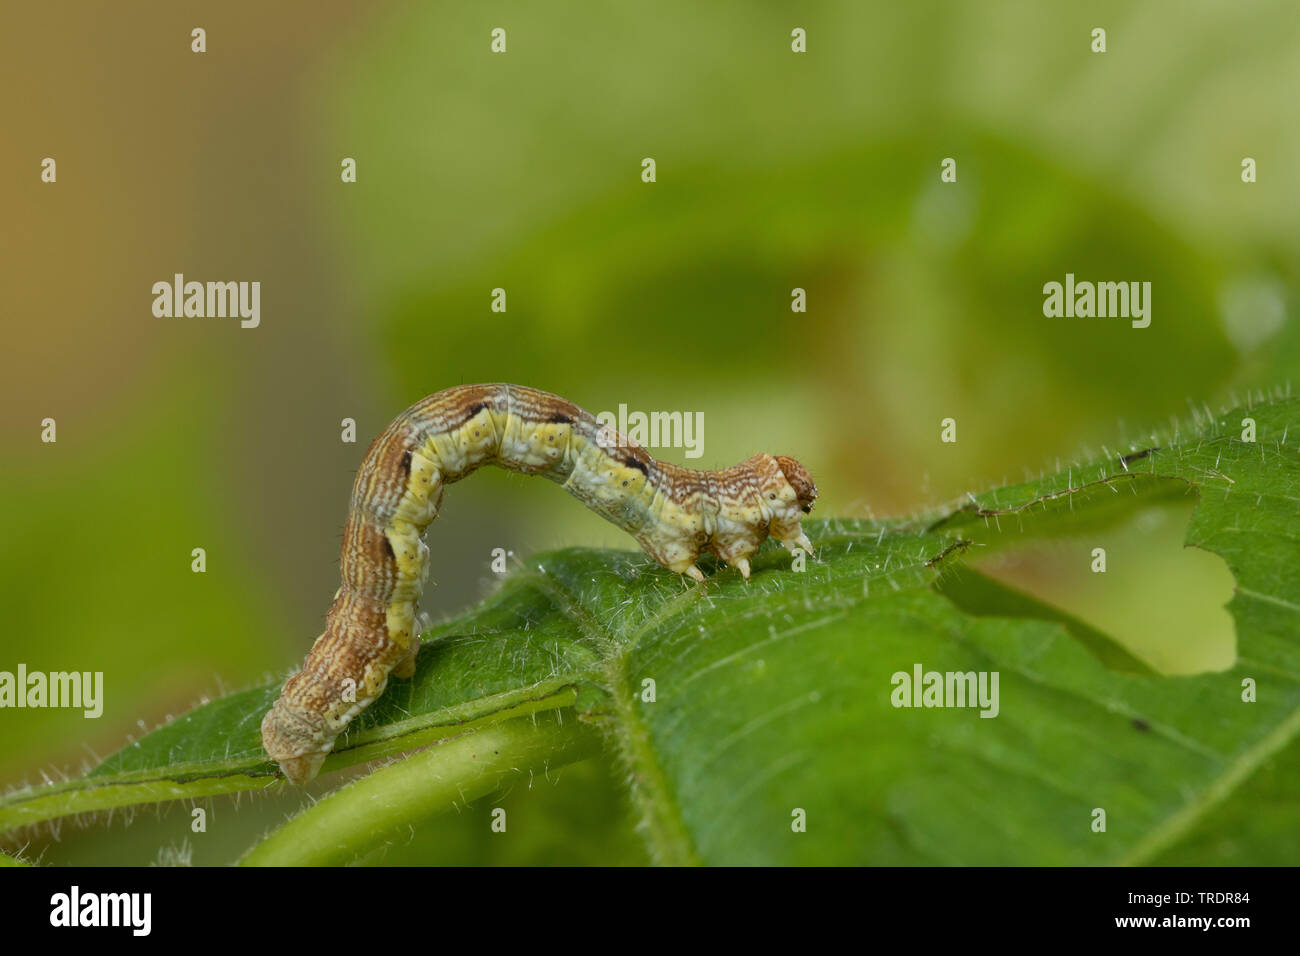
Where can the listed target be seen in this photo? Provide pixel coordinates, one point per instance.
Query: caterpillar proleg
(674, 513)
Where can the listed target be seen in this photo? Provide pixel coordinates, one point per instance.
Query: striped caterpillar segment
(674, 513)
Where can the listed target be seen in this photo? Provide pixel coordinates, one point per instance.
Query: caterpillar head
(800, 481)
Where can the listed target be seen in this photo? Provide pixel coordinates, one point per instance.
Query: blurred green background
(522, 171)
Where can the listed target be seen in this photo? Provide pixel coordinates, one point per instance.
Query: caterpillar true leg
(674, 513)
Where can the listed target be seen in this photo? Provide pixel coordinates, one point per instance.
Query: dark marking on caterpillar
(674, 513)
(472, 413)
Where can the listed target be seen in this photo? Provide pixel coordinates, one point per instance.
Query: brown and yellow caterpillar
(674, 513)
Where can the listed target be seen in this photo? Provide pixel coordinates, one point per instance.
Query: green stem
(661, 821)
(381, 807)
(100, 791)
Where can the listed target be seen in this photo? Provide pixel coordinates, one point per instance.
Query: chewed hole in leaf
(1134, 582)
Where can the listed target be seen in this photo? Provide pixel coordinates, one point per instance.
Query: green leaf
(732, 706)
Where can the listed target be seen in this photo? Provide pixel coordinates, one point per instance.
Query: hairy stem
(382, 806)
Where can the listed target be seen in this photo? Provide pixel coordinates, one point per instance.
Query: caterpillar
(674, 513)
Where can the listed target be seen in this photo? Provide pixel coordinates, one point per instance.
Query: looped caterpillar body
(674, 513)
